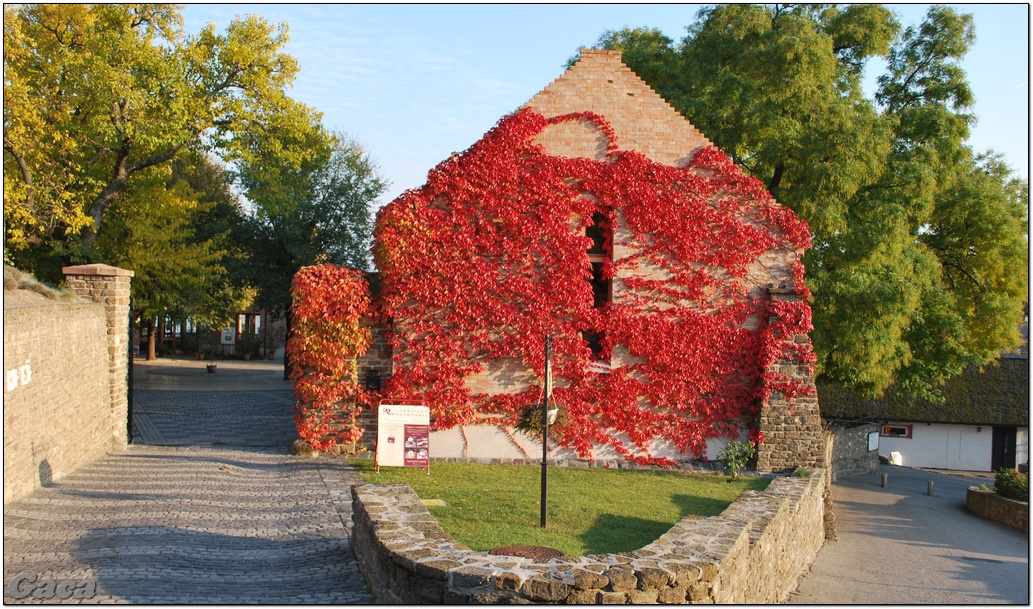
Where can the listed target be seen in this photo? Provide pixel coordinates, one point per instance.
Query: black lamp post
(545, 428)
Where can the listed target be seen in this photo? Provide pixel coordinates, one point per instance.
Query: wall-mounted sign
(403, 436)
(22, 375)
(895, 431)
(873, 441)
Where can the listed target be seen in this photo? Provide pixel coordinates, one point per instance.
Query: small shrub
(735, 455)
(802, 472)
(1011, 484)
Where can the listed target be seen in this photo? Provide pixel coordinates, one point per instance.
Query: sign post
(403, 436)
(545, 428)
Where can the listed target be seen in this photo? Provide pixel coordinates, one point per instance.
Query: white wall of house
(1022, 445)
(487, 442)
(949, 446)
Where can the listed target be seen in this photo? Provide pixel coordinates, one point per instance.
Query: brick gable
(643, 121)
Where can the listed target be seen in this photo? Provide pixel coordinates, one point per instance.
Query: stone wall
(848, 450)
(110, 287)
(792, 429)
(754, 552)
(376, 358)
(61, 409)
(989, 504)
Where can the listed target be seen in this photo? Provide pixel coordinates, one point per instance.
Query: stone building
(600, 85)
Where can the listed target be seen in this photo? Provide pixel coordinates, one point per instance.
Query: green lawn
(590, 511)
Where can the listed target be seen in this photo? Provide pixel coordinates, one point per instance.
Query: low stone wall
(989, 504)
(754, 552)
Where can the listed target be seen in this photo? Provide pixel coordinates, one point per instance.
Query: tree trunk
(776, 179)
(161, 330)
(150, 340)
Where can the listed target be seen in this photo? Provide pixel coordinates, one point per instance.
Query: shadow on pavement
(899, 545)
(168, 564)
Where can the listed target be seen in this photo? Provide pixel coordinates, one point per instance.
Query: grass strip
(590, 510)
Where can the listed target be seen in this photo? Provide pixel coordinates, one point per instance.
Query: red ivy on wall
(329, 303)
(491, 255)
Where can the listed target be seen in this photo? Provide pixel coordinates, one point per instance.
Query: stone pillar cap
(97, 269)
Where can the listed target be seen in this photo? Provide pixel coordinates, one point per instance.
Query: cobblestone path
(232, 418)
(220, 512)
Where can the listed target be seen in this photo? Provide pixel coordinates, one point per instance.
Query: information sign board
(403, 436)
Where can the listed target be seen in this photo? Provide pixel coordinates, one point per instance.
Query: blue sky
(415, 82)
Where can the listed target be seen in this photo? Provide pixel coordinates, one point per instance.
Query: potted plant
(207, 351)
(209, 354)
(248, 345)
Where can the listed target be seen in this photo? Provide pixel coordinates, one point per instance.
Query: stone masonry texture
(992, 506)
(792, 429)
(754, 552)
(848, 450)
(110, 287)
(642, 120)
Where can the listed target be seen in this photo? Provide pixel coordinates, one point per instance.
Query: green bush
(735, 455)
(1011, 484)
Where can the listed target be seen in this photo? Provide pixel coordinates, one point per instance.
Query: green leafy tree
(169, 233)
(96, 95)
(219, 224)
(307, 211)
(920, 257)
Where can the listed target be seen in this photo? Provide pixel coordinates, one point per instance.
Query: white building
(982, 426)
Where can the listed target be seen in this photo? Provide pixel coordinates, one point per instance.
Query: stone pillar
(109, 286)
(793, 435)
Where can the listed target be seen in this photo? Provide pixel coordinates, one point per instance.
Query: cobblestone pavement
(233, 418)
(220, 513)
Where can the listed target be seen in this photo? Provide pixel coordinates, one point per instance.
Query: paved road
(898, 545)
(206, 507)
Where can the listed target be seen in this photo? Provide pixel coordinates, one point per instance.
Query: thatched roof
(996, 395)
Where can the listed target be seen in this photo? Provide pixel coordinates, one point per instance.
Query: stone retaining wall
(989, 504)
(754, 552)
